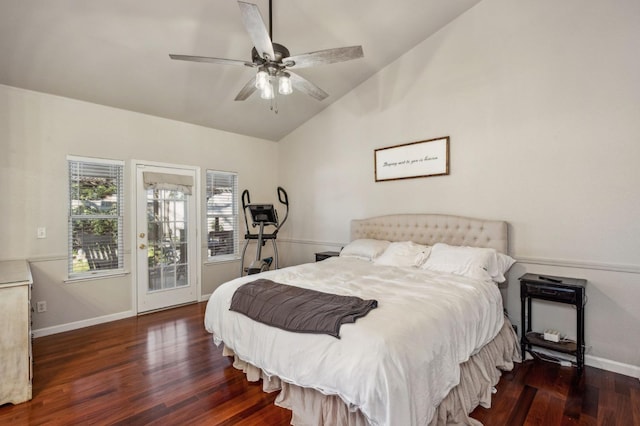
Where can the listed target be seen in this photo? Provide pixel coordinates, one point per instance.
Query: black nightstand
(326, 254)
(555, 289)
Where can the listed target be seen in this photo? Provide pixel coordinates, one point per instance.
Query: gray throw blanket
(298, 309)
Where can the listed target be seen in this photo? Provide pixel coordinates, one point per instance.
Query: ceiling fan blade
(305, 86)
(211, 60)
(247, 90)
(323, 57)
(254, 24)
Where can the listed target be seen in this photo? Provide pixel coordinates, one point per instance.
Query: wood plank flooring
(163, 369)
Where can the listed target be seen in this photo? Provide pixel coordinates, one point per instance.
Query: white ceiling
(115, 53)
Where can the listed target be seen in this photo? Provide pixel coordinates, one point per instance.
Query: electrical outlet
(42, 232)
(41, 306)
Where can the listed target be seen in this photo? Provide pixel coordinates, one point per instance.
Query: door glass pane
(167, 239)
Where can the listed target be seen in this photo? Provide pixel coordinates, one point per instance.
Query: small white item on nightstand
(552, 335)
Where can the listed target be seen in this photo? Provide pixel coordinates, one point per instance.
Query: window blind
(168, 181)
(96, 207)
(222, 213)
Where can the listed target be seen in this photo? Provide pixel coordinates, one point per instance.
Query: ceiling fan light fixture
(267, 91)
(262, 78)
(284, 84)
(271, 60)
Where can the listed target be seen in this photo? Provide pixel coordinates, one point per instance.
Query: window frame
(234, 216)
(118, 215)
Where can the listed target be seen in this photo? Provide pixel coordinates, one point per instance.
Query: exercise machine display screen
(263, 213)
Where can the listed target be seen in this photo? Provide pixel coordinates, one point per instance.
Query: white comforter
(397, 363)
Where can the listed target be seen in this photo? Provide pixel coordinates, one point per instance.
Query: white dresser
(15, 332)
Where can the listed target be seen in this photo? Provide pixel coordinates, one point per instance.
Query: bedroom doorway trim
(165, 237)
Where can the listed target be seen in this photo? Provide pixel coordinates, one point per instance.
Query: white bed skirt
(478, 377)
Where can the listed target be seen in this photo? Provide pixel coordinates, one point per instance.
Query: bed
(428, 354)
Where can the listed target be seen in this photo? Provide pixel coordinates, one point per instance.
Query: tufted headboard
(433, 228)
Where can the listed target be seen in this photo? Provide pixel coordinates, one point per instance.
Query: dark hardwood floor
(163, 369)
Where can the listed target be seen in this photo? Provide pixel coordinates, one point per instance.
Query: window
(95, 216)
(222, 214)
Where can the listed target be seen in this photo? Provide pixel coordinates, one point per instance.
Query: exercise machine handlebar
(284, 199)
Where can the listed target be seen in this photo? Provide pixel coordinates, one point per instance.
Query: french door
(166, 246)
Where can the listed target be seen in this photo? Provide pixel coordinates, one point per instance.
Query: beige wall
(541, 100)
(38, 131)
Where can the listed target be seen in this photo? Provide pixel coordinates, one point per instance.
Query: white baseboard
(204, 297)
(81, 324)
(614, 366)
(594, 361)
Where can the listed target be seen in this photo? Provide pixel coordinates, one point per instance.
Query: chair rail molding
(529, 260)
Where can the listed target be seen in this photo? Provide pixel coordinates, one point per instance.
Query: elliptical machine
(262, 215)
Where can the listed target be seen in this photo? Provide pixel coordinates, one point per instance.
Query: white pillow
(473, 262)
(504, 263)
(365, 249)
(403, 254)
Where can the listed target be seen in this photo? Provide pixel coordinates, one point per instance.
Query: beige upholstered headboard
(433, 228)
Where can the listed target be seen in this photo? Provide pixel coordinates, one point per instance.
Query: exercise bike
(262, 215)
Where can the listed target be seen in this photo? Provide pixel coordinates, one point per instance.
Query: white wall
(541, 100)
(38, 131)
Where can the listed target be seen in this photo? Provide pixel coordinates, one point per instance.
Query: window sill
(222, 259)
(96, 276)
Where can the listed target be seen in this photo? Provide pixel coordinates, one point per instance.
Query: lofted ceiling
(116, 53)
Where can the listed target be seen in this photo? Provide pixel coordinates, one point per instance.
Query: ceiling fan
(273, 61)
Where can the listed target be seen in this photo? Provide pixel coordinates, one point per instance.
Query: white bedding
(397, 363)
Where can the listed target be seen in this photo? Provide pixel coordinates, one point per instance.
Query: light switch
(42, 232)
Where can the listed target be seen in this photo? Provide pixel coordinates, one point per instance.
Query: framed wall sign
(412, 160)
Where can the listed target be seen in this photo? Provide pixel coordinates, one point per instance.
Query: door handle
(142, 235)
(142, 246)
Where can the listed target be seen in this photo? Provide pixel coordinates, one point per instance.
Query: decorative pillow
(473, 262)
(365, 248)
(403, 254)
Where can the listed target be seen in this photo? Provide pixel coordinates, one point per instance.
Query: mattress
(394, 366)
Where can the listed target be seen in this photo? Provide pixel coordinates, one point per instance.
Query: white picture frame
(412, 160)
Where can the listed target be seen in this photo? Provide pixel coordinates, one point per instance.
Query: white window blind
(96, 207)
(168, 181)
(222, 213)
